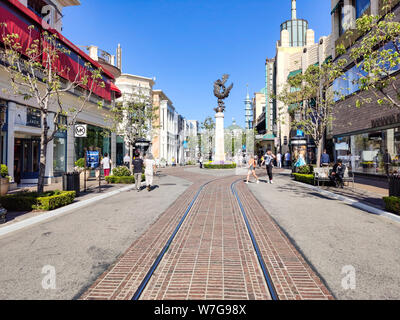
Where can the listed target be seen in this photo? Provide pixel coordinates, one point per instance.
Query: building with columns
(20, 139)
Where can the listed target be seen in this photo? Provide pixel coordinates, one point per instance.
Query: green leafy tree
(310, 97)
(134, 118)
(35, 74)
(208, 128)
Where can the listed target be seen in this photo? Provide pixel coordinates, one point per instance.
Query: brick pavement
(212, 256)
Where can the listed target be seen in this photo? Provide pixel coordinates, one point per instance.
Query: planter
(394, 186)
(5, 186)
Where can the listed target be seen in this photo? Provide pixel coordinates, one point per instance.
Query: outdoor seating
(322, 175)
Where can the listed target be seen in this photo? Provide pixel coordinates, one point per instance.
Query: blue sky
(188, 44)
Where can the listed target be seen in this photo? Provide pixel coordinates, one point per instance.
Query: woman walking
(150, 166)
(252, 169)
(269, 162)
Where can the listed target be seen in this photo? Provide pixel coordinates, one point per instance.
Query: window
(361, 7)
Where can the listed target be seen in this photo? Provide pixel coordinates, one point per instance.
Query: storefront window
(361, 7)
(364, 152)
(59, 161)
(97, 138)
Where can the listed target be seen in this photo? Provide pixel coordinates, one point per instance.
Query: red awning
(118, 93)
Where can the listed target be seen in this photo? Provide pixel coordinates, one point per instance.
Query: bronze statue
(221, 92)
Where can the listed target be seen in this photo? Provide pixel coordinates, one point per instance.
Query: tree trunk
(43, 159)
(320, 145)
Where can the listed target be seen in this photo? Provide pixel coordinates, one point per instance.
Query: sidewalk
(368, 190)
(92, 191)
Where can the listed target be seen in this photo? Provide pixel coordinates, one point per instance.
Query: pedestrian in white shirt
(106, 164)
(150, 166)
(279, 160)
(127, 161)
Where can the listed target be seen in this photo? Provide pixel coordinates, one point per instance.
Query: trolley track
(165, 249)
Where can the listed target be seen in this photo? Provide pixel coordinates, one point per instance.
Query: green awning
(337, 5)
(294, 73)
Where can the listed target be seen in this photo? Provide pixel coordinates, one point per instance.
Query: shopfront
(97, 138)
(364, 152)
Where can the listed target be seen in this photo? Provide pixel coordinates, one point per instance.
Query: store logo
(80, 131)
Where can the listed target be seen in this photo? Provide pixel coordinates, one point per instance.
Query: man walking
(287, 159)
(201, 160)
(387, 161)
(325, 159)
(150, 166)
(279, 160)
(127, 160)
(138, 171)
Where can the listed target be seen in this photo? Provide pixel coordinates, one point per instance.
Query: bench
(322, 174)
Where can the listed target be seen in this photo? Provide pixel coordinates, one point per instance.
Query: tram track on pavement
(215, 243)
(260, 259)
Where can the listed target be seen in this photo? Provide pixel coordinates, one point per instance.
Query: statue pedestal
(219, 138)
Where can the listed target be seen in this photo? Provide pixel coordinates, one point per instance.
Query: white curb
(353, 203)
(48, 215)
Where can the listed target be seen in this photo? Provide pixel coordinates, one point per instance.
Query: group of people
(138, 163)
(268, 161)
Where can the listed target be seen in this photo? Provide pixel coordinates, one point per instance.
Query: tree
(134, 118)
(311, 99)
(37, 73)
(377, 57)
(208, 127)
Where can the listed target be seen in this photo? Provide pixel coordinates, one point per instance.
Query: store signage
(33, 118)
(81, 131)
(92, 159)
(386, 121)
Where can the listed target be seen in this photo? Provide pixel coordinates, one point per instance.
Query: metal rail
(146, 280)
(267, 276)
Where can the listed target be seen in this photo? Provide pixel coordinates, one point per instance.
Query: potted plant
(5, 180)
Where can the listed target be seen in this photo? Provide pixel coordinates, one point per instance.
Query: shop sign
(33, 118)
(385, 121)
(92, 159)
(80, 130)
(142, 144)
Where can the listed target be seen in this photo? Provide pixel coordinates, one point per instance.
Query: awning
(118, 93)
(337, 5)
(294, 73)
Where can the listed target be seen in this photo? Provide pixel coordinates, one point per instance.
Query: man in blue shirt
(325, 160)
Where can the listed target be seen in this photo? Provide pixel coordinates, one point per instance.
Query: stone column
(219, 138)
(49, 171)
(10, 138)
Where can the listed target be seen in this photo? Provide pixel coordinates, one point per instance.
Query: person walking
(252, 170)
(287, 159)
(127, 161)
(137, 164)
(279, 160)
(387, 161)
(150, 166)
(269, 162)
(325, 159)
(201, 160)
(106, 164)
